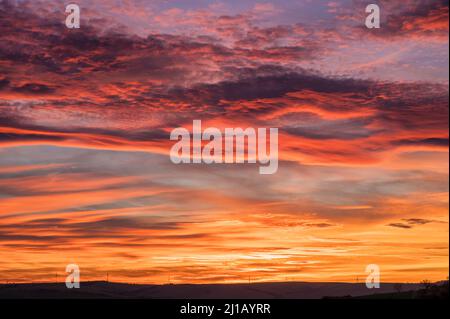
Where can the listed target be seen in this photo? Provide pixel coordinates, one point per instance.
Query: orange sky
(85, 118)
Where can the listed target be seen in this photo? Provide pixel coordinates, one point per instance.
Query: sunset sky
(86, 114)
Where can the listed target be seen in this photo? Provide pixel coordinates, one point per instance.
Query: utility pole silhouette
(107, 277)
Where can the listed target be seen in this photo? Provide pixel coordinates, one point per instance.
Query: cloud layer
(85, 118)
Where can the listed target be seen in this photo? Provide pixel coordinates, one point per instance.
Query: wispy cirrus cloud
(411, 222)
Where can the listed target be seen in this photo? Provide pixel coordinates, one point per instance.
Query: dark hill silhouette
(283, 290)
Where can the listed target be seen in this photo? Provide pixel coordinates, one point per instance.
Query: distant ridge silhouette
(279, 290)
